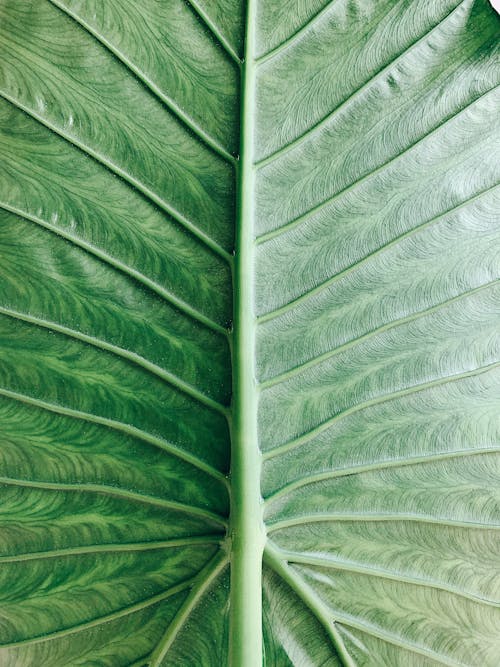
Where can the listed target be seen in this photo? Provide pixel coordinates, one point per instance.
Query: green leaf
(250, 333)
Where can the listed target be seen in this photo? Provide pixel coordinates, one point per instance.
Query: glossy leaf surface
(283, 215)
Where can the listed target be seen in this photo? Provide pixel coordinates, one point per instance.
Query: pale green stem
(246, 526)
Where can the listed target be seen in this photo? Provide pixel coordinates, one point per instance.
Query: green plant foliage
(333, 179)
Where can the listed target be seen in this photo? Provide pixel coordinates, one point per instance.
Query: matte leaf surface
(249, 333)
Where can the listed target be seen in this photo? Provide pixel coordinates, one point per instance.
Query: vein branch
(169, 102)
(120, 266)
(121, 427)
(324, 285)
(309, 435)
(117, 492)
(201, 584)
(159, 372)
(361, 568)
(348, 188)
(306, 519)
(320, 358)
(305, 136)
(215, 30)
(295, 36)
(374, 467)
(137, 185)
(329, 617)
(125, 611)
(92, 549)
(274, 560)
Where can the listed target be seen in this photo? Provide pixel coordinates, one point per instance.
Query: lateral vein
(306, 519)
(309, 435)
(201, 583)
(263, 238)
(105, 548)
(317, 126)
(374, 467)
(114, 491)
(360, 568)
(125, 611)
(295, 36)
(205, 18)
(169, 102)
(273, 559)
(315, 361)
(121, 427)
(168, 296)
(329, 617)
(128, 178)
(159, 372)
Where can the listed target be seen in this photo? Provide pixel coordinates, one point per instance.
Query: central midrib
(247, 534)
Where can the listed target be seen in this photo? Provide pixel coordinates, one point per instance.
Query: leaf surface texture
(374, 163)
